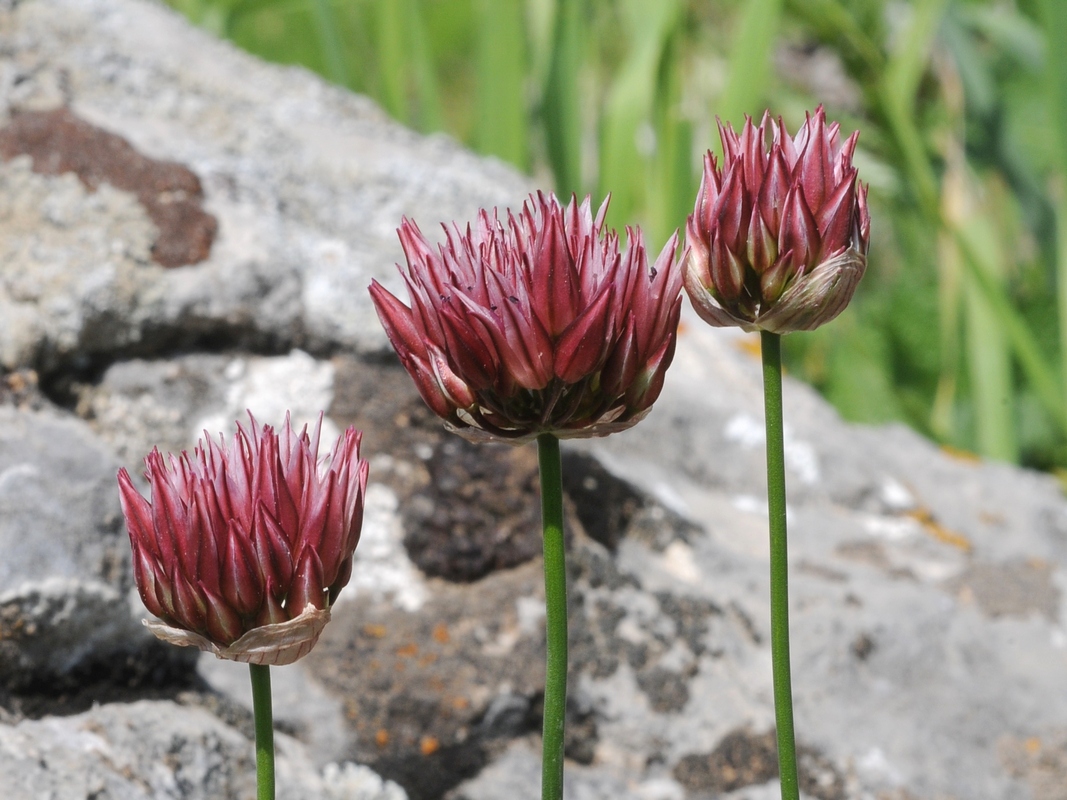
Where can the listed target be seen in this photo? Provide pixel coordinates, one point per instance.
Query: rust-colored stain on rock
(59, 142)
(440, 633)
(429, 745)
(375, 631)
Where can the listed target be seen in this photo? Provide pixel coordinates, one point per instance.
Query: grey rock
(59, 511)
(161, 750)
(65, 577)
(350, 781)
(55, 627)
(517, 775)
(927, 591)
(171, 404)
(307, 182)
(302, 707)
(69, 259)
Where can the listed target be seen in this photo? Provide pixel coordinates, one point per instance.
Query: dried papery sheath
(536, 323)
(243, 547)
(778, 239)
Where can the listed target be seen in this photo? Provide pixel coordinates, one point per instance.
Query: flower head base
(243, 548)
(537, 324)
(778, 239)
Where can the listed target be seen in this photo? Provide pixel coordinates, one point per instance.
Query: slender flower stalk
(537, 328)
(778, 243)
(263, 715)
(243, 548)
(551, 469)
(771, 351)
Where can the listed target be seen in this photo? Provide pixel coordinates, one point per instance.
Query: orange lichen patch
(408, 651)
(21, 389)
(1032, 745)
(440, 633)
(991, 517)
(17, 381)
(381, 737)
(965, 456)
(428, 659)
(374, 631)
(429, 745)
(460, 703)
(749, 345)
(929, 524)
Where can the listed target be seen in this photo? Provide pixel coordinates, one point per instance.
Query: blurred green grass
(960, 327)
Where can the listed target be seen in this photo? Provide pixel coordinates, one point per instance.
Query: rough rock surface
(927, 590)
(65, 576)
(306, 183)
(146, 749)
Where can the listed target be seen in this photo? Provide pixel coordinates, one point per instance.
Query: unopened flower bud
(244, 547)
(778, 239)
(537, 324)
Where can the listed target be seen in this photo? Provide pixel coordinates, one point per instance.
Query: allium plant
(243, 548)
(535, 324)
(778, 239)
(777, 243)
(537, 327)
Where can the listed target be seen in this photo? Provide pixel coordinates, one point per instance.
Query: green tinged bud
(778, 238)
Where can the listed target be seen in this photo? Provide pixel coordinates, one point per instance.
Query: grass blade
(949, 295)
(561, 108)
(676, 174)
(330, 41)
(1054, 21)
(750, 62)
(501, 93)
(392, 59)
(1034, 366)
(407, 85)
(627, 136)
(429, 115)
(988, 356)
(903, 71)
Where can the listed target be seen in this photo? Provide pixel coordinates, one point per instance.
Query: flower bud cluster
(536, 324)
(778, 240)
(244, 547)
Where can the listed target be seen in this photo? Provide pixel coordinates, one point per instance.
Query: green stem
(555, 616)
(771, 347)
(264, 719)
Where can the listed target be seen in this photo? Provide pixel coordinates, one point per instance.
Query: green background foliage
(959, 328)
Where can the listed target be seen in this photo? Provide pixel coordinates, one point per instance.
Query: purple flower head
(244, 547)
(778, 239)
(535, 324)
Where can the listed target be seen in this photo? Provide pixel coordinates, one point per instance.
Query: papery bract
(244, 547)
(535, 324)
(778, 239)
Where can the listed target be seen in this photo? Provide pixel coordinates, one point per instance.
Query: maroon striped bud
(536, 324)
(243, 547)
(778, 238)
